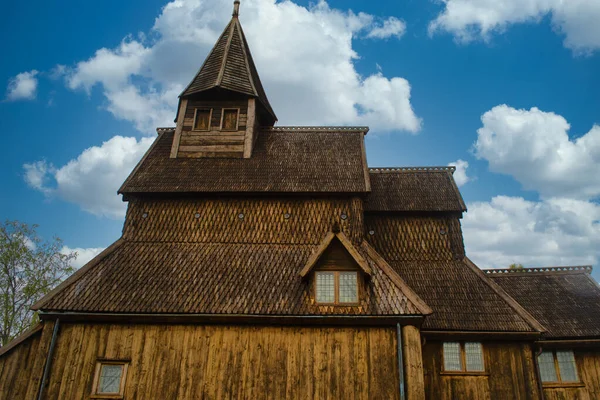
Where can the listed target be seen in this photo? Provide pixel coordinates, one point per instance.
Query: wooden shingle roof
(566, 300)
(428, 254)
(284, 160)
(414, 189)
(229, 65)
(216, 278)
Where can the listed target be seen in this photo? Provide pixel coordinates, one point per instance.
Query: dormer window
(336, 287)
(202, 119)
(229, 119)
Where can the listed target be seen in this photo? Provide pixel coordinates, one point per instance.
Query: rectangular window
(336, 287)
(229, 119)
(202, 119)
(463, 357)
(474, 356)
(558, 366)
(452, 357)
(109, 380)
(348, 287)
(325, 287)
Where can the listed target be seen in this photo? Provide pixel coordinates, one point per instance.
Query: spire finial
(236, 8)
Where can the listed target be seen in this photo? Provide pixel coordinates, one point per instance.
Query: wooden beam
(413, 363)
(250, 126)
(314, 257)
(354, 253)
(178, 128)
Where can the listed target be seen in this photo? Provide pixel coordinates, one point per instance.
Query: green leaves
(29, 268)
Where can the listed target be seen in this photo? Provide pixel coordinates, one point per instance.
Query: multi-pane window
(202, 119)
(463, 357)
(336, 287)
(109, 381)
(558, 366)
(229, 119)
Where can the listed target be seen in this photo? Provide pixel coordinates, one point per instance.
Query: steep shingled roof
(414, 189)
(566, 300)
(229, 65)
(216, 278)
(284, 160)
(428, 254)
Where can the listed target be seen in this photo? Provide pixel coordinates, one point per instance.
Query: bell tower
(221, 109)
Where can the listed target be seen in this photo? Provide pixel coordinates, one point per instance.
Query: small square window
(229, 119)
(558, 366)
(336, 287)
(202, 119)
(463, 357)
(109, 380)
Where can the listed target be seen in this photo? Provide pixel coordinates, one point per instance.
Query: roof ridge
(539, 270)
(377, 170)
(297, 128)
(508, 299)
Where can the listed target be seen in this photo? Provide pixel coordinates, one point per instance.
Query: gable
(336, 257)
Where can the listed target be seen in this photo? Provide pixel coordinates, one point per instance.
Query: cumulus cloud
(467, 20)
(551, 232)
(563, 227)
(83, 255)
(23, 86)
(304, 56)
(93, 178)
(460, 175)
(390, 27)
(534, 147)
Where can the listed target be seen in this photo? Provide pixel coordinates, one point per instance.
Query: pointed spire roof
(229, 65)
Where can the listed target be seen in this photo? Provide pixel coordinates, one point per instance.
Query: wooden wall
(213, 143)
(588, 368)
(211, 362)
(22, 367)
(510, 374)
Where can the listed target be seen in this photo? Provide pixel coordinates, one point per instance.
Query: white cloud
(471, 19)
(460, 175)
(84, 255)
(93, 178)
(534, 147)
(23, 86)
(304, 56)
(390, 27)
(552, 232)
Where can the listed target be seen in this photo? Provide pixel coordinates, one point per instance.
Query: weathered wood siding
(588, 368)
(215, 362)
(22, 367)
(214, 142)
(510, 374)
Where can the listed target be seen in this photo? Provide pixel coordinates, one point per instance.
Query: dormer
(221, 109)
(336, 272)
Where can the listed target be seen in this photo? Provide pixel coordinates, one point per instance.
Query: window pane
(567, 366)
(110, 379)
(546, 364)
(452, 360)
(202, 120)
(348, 287)
(325, 287)
(230, 120)
(474, 356)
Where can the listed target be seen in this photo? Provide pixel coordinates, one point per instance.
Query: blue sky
(435, 85)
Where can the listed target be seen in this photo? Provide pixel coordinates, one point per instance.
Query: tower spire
(236, 8)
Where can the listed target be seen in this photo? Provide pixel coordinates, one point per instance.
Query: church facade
(261, 261)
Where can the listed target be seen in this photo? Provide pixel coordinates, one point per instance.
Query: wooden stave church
(211, 292)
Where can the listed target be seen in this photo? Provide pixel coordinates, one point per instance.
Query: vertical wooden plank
(178, 128)
(40, 360)
(250, 128)
(413, 363)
